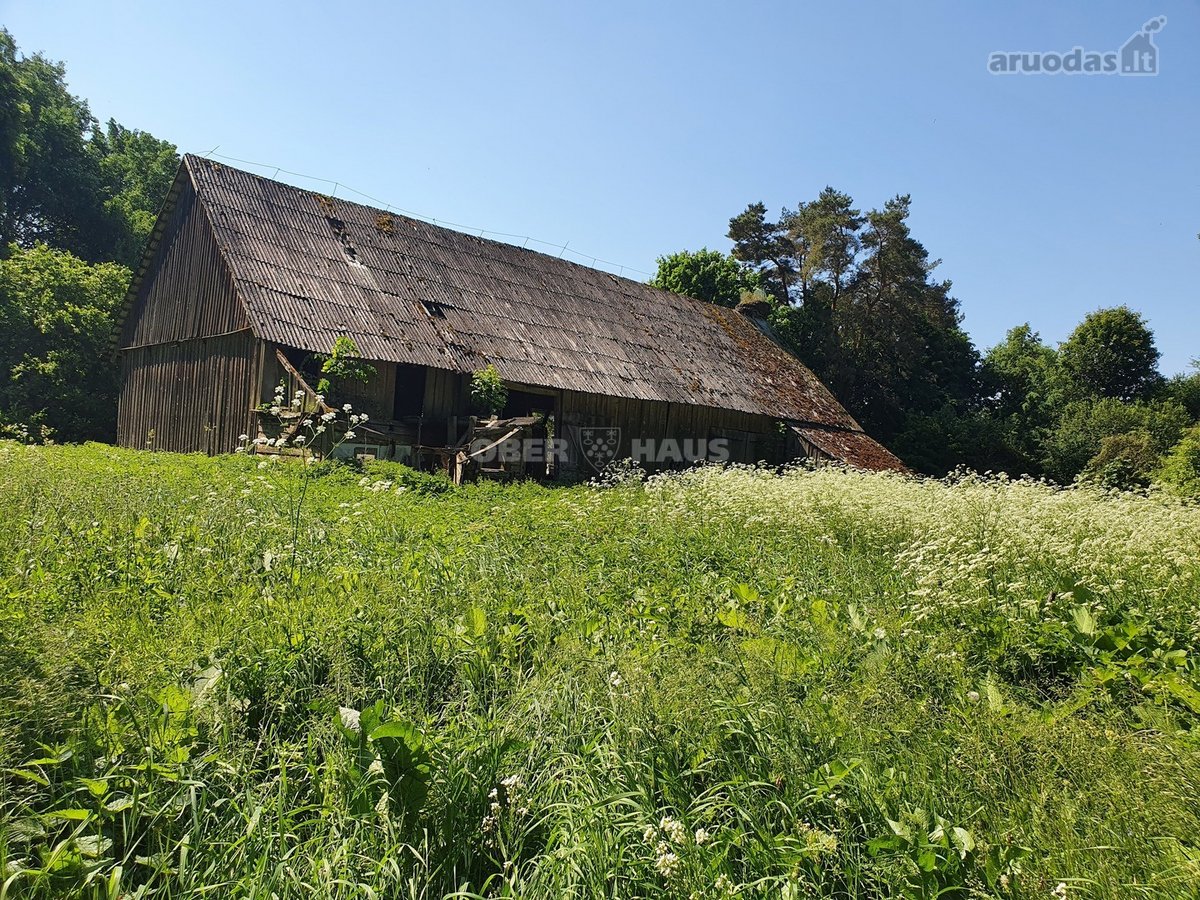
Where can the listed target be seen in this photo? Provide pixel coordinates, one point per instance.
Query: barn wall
(192, 396)
(190, 365)
(445, 394)
(752, 438)
(374, 397)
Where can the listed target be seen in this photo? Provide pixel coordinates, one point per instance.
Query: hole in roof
(434, 309)
(348, 248)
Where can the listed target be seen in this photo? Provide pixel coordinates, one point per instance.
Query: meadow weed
(248, 678)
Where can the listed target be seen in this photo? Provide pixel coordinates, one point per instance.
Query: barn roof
(309, 268)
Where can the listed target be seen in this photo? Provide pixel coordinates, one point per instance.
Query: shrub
(341, 365)
(1123, 461)
(1180, 469)
(488, 393)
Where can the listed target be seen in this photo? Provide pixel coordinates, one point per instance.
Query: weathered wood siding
(190, 365)
(752, 438)
(376, 396)
(445, 394)
(193, 396)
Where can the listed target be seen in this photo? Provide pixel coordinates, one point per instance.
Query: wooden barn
(247, 280)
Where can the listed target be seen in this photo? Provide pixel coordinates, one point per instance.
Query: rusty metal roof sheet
(854, 448)
(310, 268)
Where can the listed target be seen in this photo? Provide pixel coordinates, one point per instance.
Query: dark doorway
(410, 391)
(526, 403)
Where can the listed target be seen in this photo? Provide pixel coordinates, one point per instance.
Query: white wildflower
(666, 862)
(673, 829)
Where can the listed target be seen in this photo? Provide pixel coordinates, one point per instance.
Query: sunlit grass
(825, 684)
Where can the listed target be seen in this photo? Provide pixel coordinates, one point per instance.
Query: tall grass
(825, 684)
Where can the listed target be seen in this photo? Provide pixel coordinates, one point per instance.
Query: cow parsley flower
(673, 829)
(666, 861)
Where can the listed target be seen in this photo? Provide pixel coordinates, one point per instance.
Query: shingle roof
(310, 268)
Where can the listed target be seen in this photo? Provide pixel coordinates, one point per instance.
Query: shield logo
(599, 445)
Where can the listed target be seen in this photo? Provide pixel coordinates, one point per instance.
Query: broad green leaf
(71, 815)
(736, 619)
(476, 621)
(1085, 623)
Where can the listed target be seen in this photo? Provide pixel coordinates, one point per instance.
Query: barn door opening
(409, 398)
(527, 403)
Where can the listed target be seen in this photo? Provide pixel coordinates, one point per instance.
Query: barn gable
(189, 358)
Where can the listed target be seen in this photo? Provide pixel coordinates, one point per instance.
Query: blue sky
(627, 130)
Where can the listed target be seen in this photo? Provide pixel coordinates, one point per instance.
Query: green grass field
(226, 679)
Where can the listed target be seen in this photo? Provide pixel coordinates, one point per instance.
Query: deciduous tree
(705, 274)
(1111, 353)
(56, 361)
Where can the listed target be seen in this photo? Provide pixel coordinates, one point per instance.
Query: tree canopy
(1111, 354)
(857, 299)
(705, 274)
(65, 180)
(56, 323)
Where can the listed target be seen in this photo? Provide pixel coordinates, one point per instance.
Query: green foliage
(1111, 353)
(764, 245)
(720, 683)
(1023, 394)
(827, 240)
(64, 180)
(405, 478)
(1124, 461)
(1180, 469)
(136, 171)
(488, 392)
(858, 304)
(342, 366)
(56, 321)
(1085, 424)
(902, 349)
(1185, 390)
(705, 274)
